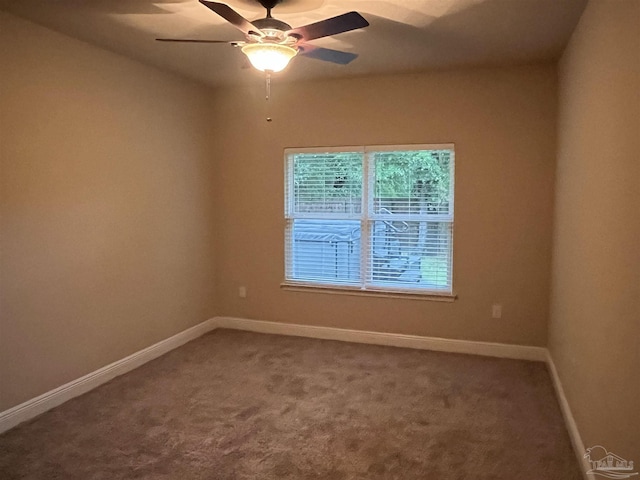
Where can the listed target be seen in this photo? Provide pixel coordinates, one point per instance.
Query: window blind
(376, 218)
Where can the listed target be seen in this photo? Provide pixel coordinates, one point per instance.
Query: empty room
(320, 239)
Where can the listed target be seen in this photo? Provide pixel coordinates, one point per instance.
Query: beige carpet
(237, 405)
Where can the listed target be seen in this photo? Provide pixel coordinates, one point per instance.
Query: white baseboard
(519, 352)
(572, 427)
(31, 408)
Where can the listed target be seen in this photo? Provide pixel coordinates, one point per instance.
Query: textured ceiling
(403, 36)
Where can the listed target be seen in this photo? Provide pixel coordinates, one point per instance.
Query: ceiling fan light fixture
(272, 57)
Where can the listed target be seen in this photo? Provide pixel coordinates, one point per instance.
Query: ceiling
(403, 36)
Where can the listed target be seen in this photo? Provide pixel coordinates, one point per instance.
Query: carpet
(240, 405)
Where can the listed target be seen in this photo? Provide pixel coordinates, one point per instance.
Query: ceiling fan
(271, 43)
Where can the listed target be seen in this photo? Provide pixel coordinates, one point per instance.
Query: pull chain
(268, 92)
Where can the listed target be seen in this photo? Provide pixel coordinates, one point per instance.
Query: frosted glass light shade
(269, 56)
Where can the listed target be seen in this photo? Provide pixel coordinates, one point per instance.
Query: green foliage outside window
(413, 174)
(406, 174)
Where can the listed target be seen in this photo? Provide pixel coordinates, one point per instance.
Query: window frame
(366, 217)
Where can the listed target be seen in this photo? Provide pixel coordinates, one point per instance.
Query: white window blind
(372, 218)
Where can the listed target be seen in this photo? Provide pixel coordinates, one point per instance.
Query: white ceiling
(404, 36)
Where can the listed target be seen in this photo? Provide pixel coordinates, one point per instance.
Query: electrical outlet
(496, 310)
(242, 292)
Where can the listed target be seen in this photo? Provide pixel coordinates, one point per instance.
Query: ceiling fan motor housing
(273, 28)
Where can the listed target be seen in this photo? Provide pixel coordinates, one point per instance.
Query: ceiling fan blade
(330, 26)
(193, 40)
(233, 17)
(326, 54)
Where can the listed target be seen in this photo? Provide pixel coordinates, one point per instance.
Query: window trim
(365, 218)
(367, 292)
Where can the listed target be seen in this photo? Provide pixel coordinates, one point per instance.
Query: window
(370, 218)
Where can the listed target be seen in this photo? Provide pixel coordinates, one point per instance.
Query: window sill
(408, 295)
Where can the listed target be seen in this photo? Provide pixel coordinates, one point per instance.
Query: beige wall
(106, 208)
(595, 315)
(502, 122)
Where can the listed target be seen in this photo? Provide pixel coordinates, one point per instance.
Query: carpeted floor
(238, 405)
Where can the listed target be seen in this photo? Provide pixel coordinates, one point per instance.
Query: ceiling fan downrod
(269, 5)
